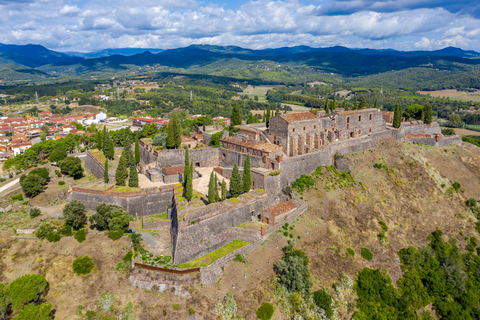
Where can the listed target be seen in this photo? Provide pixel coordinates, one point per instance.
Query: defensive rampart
(140, 203)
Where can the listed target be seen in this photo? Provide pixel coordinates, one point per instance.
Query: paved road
(8, 185)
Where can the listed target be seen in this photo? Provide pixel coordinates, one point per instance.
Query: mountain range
(337, 59)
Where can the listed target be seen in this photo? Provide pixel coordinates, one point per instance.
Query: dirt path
(9, 185)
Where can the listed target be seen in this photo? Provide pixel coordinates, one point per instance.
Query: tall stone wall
(141, 204)
(146, 155)
(205, 236)
(94, 167)
(207, 157)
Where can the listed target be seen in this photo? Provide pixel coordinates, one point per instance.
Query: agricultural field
(259, 91)
(454, 94)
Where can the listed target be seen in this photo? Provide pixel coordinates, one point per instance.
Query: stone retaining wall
(143, 203)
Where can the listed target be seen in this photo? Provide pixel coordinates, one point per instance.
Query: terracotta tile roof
(257, 145)
(298, 116)
(282, 208)
(173, 170)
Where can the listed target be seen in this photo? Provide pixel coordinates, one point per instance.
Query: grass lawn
(158, 217)
(126, 189)
(214, 256)
(196, 201)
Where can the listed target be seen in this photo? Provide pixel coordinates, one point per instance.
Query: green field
(214, 256)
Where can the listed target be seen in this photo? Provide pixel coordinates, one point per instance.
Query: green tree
(43, 230)
(103, 215)
(217, 197)
(127, 148)
(211, 188)
(455, 120)
(111, 150)
(33, 184)
(397, 117)
(57, 154)
(104, 140)
(105, 172)
(160, 139)
(121, 172)
(267, 119)
(189, 185)
(30, 288)
(133, 179)
(236, 117)
(236, 186)
(265, 312)
(72, 166)
(120, 220)
(344, 104)
(334, 103)
(428, 117)
(355, 103)
(375, 105)
(293, 274)
(247, 175)
(174, 137)
(137, 149)
(75, 214)
(363, 103)
(224, 190)
(99, 139)
(327, 108)
(413, 111)
(42, 311)
(324, 300)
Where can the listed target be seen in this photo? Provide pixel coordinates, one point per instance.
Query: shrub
(81, 235)
(38, 312)
(66, 230)
(35, 212)
(53, 237)
(121, 267)
(176, 306)
(128, 257)
(191, 311)
(83, 265)
(106, 301)
(17, 197)
(304, 182)
(43, 230)
(115, 234)
(136, 240)
(32, 184)
(293, 274)
(456, 186)
(351, 252)
(30, 288)
(265, 311)
(239, 258)
(58, 173)
(61, 183)
(366, 254)
(323, 300)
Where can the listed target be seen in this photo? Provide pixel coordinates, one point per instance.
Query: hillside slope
(408, 197)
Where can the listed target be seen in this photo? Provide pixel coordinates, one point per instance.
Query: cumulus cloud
(93, 25)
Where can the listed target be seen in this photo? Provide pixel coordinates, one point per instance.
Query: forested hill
(336, 60)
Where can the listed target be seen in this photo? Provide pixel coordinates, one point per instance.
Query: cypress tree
(263, 119)
(247, 175)
(105, 142)
(428, 114)
(355, 103)
(334, 104)
(397, 117)
(187, 157)
(170, 135)
(267, 119)
(133, 180)
(177, 129)
(99, 140)
(236, 117)
(224, 190)
(189, 185)
(211, 189)
(344, 104)
(363, 103)
(376, 104)
(217, 197)
(327, 108)
(137, 149)
(236, 186)
(277, 112)
(111, 150)
(121, 173)
(105, 172)
(186, 176)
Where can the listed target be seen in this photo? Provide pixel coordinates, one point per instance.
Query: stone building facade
(303, 132)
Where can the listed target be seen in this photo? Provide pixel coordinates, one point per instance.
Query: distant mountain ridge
(337, 59)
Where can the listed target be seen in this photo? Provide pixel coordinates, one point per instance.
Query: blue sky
(89, 25)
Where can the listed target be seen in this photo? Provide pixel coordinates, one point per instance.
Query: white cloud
(58, 24)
